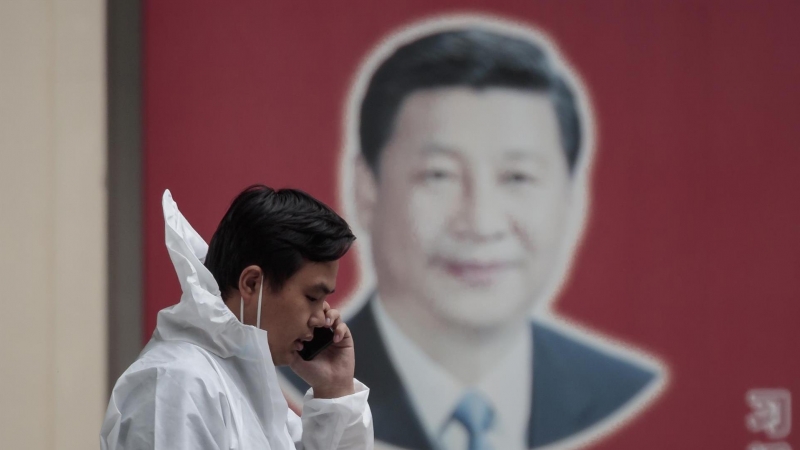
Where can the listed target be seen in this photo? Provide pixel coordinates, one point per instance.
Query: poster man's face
(470, 207)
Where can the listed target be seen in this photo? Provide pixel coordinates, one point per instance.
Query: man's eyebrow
(437, 149)
(512, 154)
(519, 154)
(322, 287)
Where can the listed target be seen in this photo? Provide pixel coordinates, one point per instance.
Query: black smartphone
(323, 337)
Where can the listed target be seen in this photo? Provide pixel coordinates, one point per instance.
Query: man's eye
(436, 175)
(518, 177)
(310, 298)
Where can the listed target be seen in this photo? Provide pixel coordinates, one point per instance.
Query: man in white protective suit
(251, 301)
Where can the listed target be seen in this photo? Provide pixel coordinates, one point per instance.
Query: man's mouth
(300, 343)
(476, 273)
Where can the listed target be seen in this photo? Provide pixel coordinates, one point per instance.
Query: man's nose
(317, 318)
(480, 216)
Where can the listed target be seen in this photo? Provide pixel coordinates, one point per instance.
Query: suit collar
(559, 396)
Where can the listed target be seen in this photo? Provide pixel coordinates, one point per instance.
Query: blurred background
(688, 256)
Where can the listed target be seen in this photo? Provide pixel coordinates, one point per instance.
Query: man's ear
(366, 193)
(250, 282)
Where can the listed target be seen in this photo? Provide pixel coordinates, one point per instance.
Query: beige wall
(52, 223)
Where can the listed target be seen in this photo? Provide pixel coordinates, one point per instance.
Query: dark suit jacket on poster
(574, 386)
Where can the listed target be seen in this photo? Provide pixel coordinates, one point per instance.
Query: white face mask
(241, 305)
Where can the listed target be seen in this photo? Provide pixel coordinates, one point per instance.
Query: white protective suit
(207, 381)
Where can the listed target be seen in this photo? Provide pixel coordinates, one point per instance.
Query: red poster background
(692, 247)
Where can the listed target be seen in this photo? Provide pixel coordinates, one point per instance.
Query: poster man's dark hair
(473, 58)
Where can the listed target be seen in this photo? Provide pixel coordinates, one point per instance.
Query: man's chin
(482, 321)
(285, 360)
(483, 310)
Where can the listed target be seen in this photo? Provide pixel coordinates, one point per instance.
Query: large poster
(577, 221)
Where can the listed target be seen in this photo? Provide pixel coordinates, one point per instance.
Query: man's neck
(466, 352)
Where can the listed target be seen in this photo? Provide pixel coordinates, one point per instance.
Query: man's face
(291, 314)
(471, 203)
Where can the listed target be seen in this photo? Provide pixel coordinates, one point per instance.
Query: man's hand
(331, 372)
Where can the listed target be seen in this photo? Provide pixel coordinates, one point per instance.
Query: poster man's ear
(366, 193)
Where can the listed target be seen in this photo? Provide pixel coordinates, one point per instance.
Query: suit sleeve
(158, 409)
(343, 423)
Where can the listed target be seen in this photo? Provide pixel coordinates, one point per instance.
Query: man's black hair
(474, 58)
(277, 230)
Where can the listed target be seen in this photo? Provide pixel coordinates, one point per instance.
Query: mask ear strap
(260, 293)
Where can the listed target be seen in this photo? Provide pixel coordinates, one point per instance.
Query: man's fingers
(340, 332)
(332, 318)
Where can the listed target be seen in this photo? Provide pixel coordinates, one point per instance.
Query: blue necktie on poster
(477, 416)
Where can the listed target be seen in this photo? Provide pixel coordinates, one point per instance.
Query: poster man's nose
(480, 213)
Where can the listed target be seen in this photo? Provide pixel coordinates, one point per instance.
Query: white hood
(201, 317)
